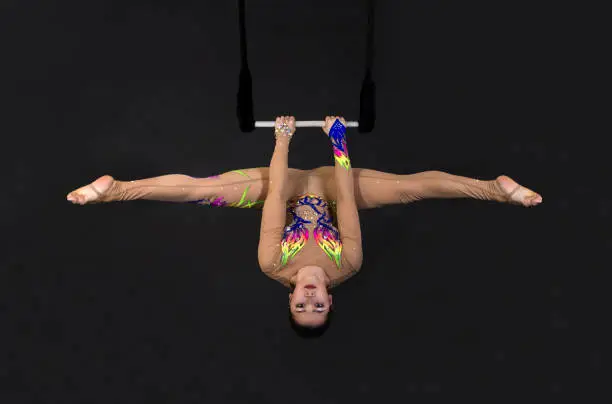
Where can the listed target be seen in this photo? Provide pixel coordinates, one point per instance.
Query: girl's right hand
(284, 126)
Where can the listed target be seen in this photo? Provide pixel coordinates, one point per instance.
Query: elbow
(358, 264)
(354, 263)
(267, 265)
(264, 265)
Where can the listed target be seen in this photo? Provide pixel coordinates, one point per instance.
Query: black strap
(244, 105)
(367, 97)
(242, 28)
(370, 38)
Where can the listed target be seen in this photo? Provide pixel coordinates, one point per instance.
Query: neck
(311, 274)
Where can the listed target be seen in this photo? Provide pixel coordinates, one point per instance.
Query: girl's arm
(274, 213)
(346, 206)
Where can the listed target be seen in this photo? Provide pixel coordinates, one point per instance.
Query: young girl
(310, 237)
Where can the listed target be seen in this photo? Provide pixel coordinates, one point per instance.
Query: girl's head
(310, 304)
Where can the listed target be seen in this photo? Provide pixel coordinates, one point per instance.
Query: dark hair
(309, 331)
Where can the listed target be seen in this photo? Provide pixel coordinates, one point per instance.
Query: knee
(433, 173)
(322, 169)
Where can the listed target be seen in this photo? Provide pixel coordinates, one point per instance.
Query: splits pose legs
(247, 188)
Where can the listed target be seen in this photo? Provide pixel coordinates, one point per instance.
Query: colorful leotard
(297, 234)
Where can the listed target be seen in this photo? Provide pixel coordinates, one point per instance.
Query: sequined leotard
(310, 216)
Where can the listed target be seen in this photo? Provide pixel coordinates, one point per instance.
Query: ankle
(497, 190)
(116, 192)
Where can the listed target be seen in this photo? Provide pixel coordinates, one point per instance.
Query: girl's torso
(311, 238)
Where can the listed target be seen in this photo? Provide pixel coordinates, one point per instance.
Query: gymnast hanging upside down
(310, 239)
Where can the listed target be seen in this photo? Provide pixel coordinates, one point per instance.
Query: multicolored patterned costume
(319, 220)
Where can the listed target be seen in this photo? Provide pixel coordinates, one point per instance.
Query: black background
(154, 302)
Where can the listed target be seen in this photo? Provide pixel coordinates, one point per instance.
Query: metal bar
(303, 124)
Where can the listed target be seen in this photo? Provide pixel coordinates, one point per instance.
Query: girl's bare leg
(239, 188)
(375, 188)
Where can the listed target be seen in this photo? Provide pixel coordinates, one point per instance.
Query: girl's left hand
(284, 126)
(329, 121)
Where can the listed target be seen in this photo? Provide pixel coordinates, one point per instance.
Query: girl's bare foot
(97, 191)
(517, 194)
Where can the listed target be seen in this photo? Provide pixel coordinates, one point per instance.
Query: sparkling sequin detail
(337, 135)
(310, 209)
